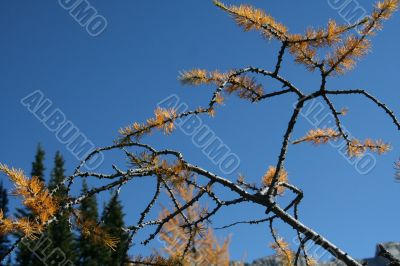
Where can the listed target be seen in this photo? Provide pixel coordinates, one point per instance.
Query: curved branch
(370, 97)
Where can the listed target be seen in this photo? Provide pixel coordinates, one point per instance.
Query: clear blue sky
(103, 83)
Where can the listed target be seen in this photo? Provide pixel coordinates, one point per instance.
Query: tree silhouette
(24, 256)
(90, 252)
(113, 223)
(4, 241)
(59, 233)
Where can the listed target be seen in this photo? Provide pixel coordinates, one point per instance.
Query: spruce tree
(59, 233)
(38, 165)
(24, 256)
(4, 242)
(90, 253)
(113, 218)
(37, 170)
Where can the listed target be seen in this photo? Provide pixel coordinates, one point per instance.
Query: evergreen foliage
(4, 242)
(113, 219)
(24, 256)
(59, 233)
(90, 252)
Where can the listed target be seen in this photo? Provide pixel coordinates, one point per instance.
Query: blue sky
(103, 83)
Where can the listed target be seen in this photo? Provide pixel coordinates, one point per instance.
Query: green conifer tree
(90, 253)
(113, 218)
(59, 233)
(4, 242)
(25, 256)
